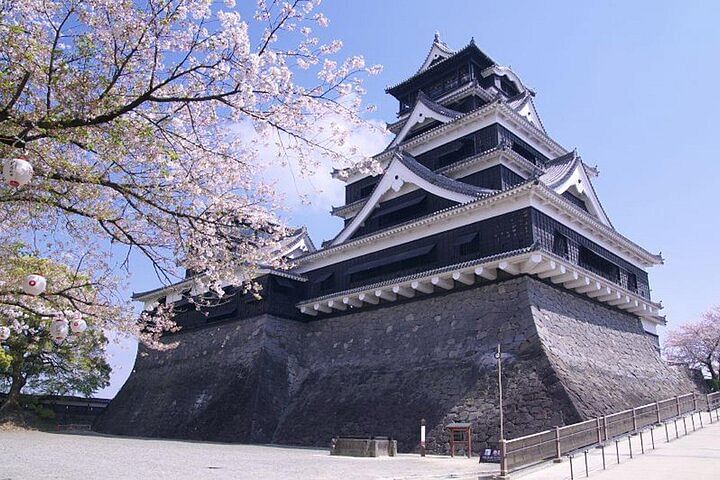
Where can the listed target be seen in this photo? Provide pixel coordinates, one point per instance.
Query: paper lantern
(59, 330)
(34, 284)
(78, 326)
(4, 333)
(17, 172)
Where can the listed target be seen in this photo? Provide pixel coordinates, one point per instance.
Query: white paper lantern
(34, 284)
(78, 326)
(59, 330)
(4, 333)
(17, 172)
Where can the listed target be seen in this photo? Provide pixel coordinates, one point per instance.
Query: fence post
(599, 430)
(694, 402)
(558, 457)
(677, 404)
(605, 427)
(657, 410)
(503, 459)
(634, 419)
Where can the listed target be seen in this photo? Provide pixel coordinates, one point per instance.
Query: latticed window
(464, 74)
(468, 244)
(560, 245)
(595, 263)
(632, 282)
(392, 265)
(326, 282)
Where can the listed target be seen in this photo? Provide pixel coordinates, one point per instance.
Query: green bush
(42, 413)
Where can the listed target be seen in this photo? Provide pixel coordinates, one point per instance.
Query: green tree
(30, 360)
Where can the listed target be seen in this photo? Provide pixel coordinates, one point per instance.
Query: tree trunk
(12, 401)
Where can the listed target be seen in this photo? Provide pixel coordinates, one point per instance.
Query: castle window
(367, 190)
(464, 74)
(597, 264)
(325, 282)
(523, 152)
(283, 285)
(507, 87)
(578, 202)
(632, 282)
(468, 244)
(392, 264)
(401, 211)
(560, 245)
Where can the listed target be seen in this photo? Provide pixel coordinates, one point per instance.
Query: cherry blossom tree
(128, 113)
(697, 344)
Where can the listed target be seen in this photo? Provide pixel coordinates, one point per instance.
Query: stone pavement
(39, 456)
(694, 456)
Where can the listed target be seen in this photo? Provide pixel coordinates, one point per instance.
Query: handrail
(553, 444)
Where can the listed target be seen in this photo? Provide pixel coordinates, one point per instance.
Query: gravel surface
(34, 455)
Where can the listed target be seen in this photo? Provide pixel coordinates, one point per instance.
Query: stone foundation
(378, 372)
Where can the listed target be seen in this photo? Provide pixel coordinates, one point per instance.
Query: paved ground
(36, 455)
(695, 456)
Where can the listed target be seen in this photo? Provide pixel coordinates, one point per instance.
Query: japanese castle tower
(481, 230)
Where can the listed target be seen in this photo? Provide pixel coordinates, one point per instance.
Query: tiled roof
(436, 107)
(559, 169)
(440, 180)
(517, 101)
(469, 46)
(187, 282)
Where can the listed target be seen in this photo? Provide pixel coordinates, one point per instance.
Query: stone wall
(379, 371)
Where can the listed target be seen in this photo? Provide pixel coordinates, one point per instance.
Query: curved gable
(438, 51)
(405, 169)
(423, 111)
(569, 174)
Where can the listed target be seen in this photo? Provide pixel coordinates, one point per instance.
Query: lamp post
(498, 356)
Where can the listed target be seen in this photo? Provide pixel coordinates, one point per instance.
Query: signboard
(490, 455)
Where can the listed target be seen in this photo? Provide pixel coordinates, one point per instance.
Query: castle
(481, 230)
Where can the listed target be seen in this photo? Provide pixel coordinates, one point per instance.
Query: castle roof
(560, 168)
(427, 70)
(439, 180)
(423, 110)
(296, 243)
(438, 51)
(405, 168)
(486, 206)
(496, 109)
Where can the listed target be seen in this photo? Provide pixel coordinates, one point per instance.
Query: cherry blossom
(697, 344)
(127, 112)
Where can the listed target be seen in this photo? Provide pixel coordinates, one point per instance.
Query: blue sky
(630, 84)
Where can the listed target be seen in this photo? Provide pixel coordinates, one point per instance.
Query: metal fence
(554, 444)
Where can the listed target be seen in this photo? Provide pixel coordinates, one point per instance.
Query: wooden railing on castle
(554, 444)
